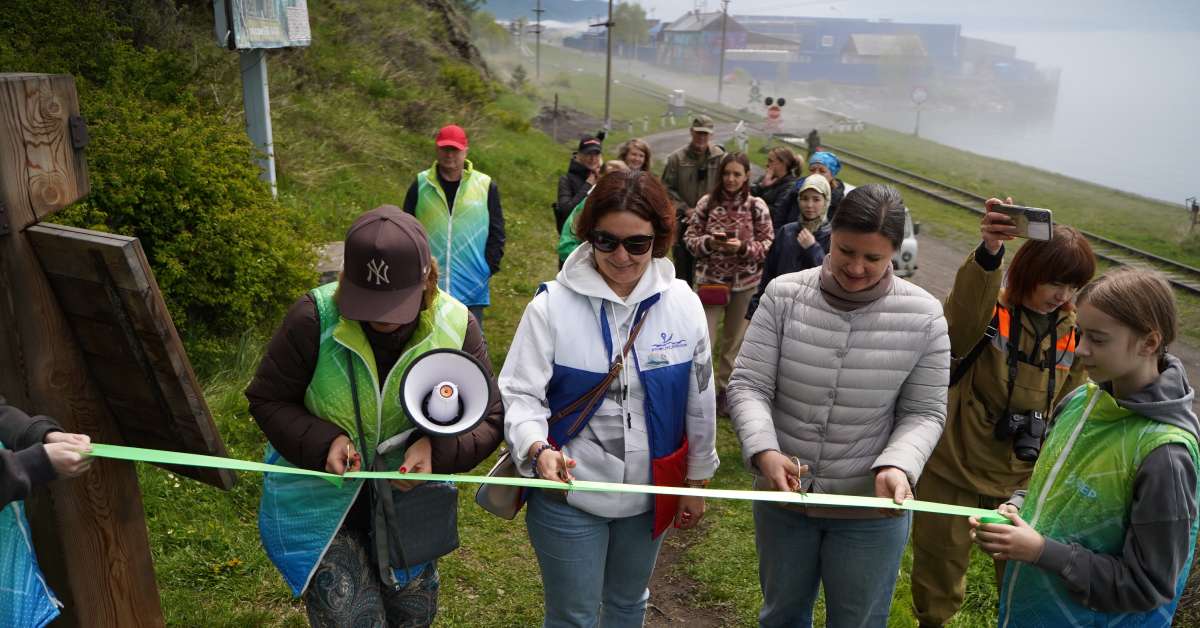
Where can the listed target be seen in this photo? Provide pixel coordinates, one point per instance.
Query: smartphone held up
(1034, 223)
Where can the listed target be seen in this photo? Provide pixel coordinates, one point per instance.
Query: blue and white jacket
(656, 425)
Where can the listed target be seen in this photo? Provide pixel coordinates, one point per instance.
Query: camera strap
(1048, 362)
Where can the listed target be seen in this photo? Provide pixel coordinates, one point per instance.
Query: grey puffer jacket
(845, 392)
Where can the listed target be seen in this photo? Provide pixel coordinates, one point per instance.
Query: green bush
(510, 120)
(465, 82)
(225, 254)
(164, 168)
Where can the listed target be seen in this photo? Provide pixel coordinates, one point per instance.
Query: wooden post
(90, 533)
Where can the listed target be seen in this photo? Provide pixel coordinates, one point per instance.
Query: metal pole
(917, 127)
(608, 70)
(257, 102)
(721, 70)
(538, 29)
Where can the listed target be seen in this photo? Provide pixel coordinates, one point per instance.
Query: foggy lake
(1126, 116)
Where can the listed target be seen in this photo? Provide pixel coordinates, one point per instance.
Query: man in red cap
(460, 209)
(327, 393)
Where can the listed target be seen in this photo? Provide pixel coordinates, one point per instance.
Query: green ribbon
(158, 456)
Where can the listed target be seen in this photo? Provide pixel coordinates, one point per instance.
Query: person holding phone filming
(1013, 346)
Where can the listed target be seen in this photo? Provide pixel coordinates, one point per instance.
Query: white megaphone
(446, 392)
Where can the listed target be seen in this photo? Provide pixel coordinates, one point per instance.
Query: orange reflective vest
(1064, 348)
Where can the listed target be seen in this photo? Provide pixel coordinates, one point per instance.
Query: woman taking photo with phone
(1014, 350)
(729, 235)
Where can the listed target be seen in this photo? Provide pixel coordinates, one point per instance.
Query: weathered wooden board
(38, 119)
(107, 291)
(90, 532)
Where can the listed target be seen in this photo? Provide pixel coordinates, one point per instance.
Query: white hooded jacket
(562, 331)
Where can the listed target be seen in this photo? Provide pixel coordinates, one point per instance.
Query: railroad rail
(1180, 275)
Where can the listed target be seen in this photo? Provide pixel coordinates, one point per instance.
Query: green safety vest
(1081, 492)
(298, 515)
(328, 396)
(458, 242)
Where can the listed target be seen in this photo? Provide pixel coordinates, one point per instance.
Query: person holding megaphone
(609, 378)
(330, 396)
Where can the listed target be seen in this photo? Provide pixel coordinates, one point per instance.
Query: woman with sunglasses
(609, 378)
(840, 388)
(729, 235)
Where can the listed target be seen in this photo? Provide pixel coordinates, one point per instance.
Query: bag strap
(988, 335)
(592, 397)
(380, 499)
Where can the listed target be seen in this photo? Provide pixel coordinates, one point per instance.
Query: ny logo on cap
(377, 270)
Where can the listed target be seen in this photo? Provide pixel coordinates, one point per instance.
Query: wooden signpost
(85, 337)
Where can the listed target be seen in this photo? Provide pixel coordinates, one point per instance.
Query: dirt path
(672, 592)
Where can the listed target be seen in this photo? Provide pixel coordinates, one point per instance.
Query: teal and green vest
(458, 242)
(1081, 492)
(25, 599)
(299, 515)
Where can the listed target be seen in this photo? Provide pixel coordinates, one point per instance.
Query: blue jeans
(857, 560)
(594, 569)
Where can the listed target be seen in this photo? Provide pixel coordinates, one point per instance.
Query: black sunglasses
(606, 242)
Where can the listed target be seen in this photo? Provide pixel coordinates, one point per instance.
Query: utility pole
(721, 69)
(608, 69)
(538, 30)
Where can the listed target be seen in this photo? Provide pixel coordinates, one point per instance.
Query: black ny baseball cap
(385, 264)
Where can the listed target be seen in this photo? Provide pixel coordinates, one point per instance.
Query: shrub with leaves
(167, 170)
(226, 255)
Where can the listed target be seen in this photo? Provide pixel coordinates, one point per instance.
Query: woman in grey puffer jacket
(840, 387)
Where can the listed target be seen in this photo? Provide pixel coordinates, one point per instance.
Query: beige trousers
(731, 332)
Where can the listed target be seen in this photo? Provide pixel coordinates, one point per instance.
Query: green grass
(341, 153)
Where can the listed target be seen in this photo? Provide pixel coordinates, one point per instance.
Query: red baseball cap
(385, 264)
(452, 135)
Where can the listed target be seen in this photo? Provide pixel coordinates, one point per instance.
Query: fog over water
(1128, 112)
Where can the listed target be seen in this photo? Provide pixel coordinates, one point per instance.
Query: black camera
(1026, 431)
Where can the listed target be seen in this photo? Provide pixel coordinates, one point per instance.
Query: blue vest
(25, 599)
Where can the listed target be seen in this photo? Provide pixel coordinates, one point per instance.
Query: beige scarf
(840, 298)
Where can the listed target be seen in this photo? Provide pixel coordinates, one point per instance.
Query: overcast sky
(978, 15)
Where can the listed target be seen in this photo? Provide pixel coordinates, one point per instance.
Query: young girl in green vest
(1105, 533)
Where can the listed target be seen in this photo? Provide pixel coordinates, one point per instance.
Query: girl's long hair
(719, 195)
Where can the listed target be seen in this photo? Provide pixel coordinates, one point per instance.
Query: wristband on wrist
(696, 483)
(533, 460)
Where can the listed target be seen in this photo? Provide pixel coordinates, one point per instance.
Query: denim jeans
(594, 569)
(857, 561)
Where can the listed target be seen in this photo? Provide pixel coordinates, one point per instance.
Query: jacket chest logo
(668, 342)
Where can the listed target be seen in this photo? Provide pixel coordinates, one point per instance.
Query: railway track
(1180, 275)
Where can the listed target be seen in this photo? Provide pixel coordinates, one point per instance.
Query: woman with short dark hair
(774, 186)
(840, 387)
(609, 378)
(1015, 355)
